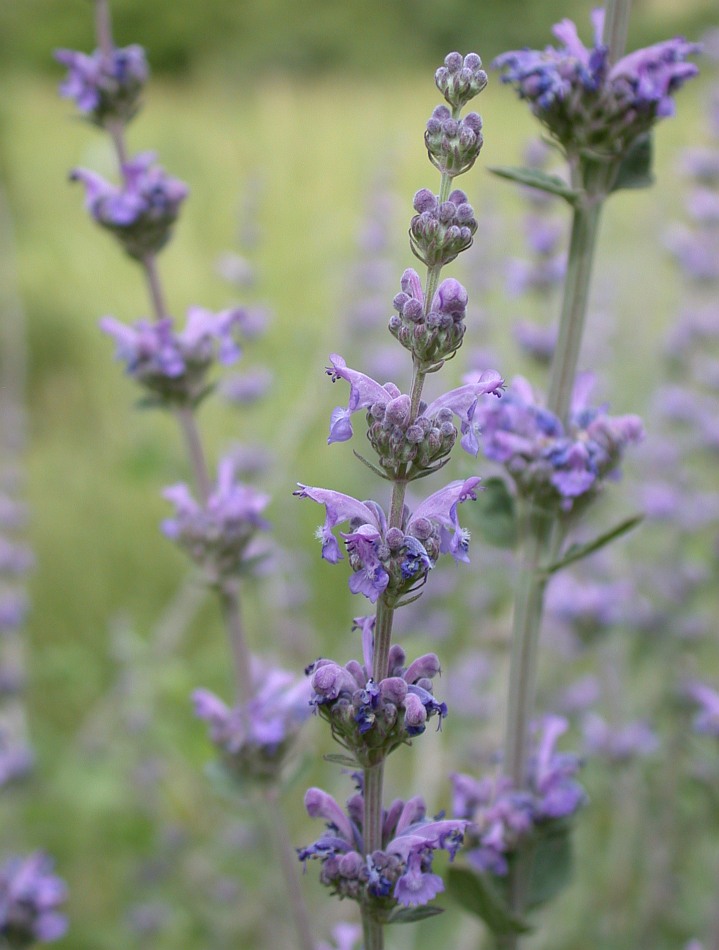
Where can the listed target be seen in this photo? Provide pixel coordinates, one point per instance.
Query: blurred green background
(304, 106)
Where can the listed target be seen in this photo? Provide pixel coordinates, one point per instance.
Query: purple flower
(370, 718)
(15, 559)
(104, 87)
(173, 365)
(501, 817)
(400, 872)
(556, 466)
(706, 720)
(216, 534)
(398, 439)
(142, 211)
(30, 895)
(16, 760)
(254, 739)
(588, 104)
(393, 560)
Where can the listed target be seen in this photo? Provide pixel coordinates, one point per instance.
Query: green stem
(540, 536)
(616, 27)
(585, 225)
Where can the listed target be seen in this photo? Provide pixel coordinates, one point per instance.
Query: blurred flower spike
(105, 88)
(141, 212)
(30, 895)
(255, 739)
(216, 534)
(173, 365)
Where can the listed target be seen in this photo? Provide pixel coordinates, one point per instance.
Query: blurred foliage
(311, 36)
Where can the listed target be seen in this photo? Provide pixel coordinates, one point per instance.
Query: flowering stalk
(217, 529)
(382, 857)
(599, 109)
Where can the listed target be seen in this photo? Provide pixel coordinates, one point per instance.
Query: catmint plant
(598, 109)
(214, 523)
(381, 856)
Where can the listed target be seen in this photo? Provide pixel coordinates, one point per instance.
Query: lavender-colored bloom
(30, 895)
(578, 696)
(142, 211)
(706, 720)
(394, 560)
(453, 145)
(554, 465)
(371, 719)
(502, 818)
(13, 610)
(15, 559)
(216, 534)
(460, 79)
(105, 87)
(16, 761)
(618, 744)
(399, 440)
(170, 364)
(398, 873)
(254, 739)
(588, 605)
(588, 104)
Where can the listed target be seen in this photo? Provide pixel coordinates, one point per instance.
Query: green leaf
(576, 552)
(478, 894)
(635, 170)
(340, 759)
(533, 178)
(552, 866)
(494, 515)
(370, 466)
(408, 915)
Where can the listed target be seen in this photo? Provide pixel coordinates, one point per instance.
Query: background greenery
(119, 796)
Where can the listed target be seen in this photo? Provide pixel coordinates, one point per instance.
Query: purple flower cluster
(554, 465)
(104, 87)
(216, 534)
(406, 448)
(460, 79)
(441, 230)
(391, 562)
(589, 105)
(398, 873)
(706, 721)
(30, 895)
(141, 212)
(173, 365)
(502, 817)
(254, 739)
(453, 144)
(371, 719)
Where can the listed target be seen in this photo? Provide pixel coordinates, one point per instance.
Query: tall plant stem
(585, 225)
(373, 929)
(540, 535)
